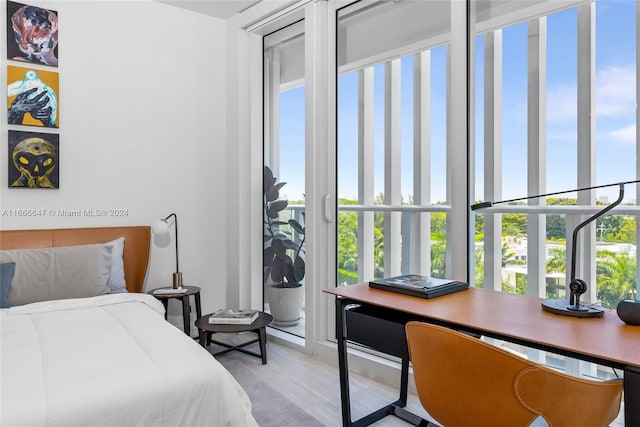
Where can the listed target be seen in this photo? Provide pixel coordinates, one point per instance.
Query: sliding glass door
(398, 141)
(284, 178)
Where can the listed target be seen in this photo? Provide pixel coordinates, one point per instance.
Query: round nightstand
(184, 296)
(259, 327)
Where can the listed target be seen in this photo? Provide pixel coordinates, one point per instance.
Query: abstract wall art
(34, 160)
(32, 34)
(32, 97)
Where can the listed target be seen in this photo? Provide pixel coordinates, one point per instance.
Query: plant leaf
(298, 269)
(273, 192)
(279, 205)
(296, 226)
(273, 209)
(278, 247)
(267, 179)
(278, 272)
(267, 256)
(290, 244)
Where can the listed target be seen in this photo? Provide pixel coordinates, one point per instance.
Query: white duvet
(110, 361)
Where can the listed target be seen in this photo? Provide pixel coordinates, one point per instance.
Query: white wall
(142, 128)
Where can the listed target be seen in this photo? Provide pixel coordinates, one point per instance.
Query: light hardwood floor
(313, 385)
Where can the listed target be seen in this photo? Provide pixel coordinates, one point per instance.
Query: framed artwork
(34, 160)
(32, 34)
(32, 97)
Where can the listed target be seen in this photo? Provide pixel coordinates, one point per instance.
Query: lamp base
(564, 308)
(177, 280)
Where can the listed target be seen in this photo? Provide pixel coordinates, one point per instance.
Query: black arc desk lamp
(577, 287)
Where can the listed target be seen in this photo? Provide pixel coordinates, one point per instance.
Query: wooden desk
(519, 319)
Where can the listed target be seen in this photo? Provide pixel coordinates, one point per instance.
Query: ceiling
(223, 9)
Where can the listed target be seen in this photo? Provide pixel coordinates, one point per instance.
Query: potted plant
(283, 257)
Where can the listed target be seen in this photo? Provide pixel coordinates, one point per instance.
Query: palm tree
(508, 256)
(479, 267)
(615, 277)
(438, 254)
(556, 261)
(348, 241)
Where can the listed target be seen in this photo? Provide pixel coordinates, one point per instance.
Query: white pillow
(116, 281)
(58, 273)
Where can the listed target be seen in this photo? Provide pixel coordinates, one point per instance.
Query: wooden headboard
(136, 245)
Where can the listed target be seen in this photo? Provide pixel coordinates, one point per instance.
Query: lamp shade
(160, 227)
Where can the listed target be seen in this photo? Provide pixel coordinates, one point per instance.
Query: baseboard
(288, 340)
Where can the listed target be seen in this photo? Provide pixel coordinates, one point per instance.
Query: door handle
(328, 208)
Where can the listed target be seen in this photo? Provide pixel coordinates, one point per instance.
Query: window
(536, 133)
(555, 109)
(394, 142)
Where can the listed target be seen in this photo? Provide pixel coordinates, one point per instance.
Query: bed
(108, 359)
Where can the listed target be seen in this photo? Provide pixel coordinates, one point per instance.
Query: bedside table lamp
(161, 228)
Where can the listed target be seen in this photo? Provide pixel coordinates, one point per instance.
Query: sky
(615, 111)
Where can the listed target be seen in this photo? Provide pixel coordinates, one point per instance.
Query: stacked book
(228, 316)
(419, 286)
(169, 291)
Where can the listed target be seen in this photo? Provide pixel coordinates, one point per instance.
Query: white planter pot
(285, 304)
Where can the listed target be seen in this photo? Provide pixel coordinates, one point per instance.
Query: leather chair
(462, 381)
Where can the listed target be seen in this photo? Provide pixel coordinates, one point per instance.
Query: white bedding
(110, 360)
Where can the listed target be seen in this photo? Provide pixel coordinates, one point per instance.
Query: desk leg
(341, 337)
(404, 382)
(186, 315)
(632, 396)
(396, 408)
